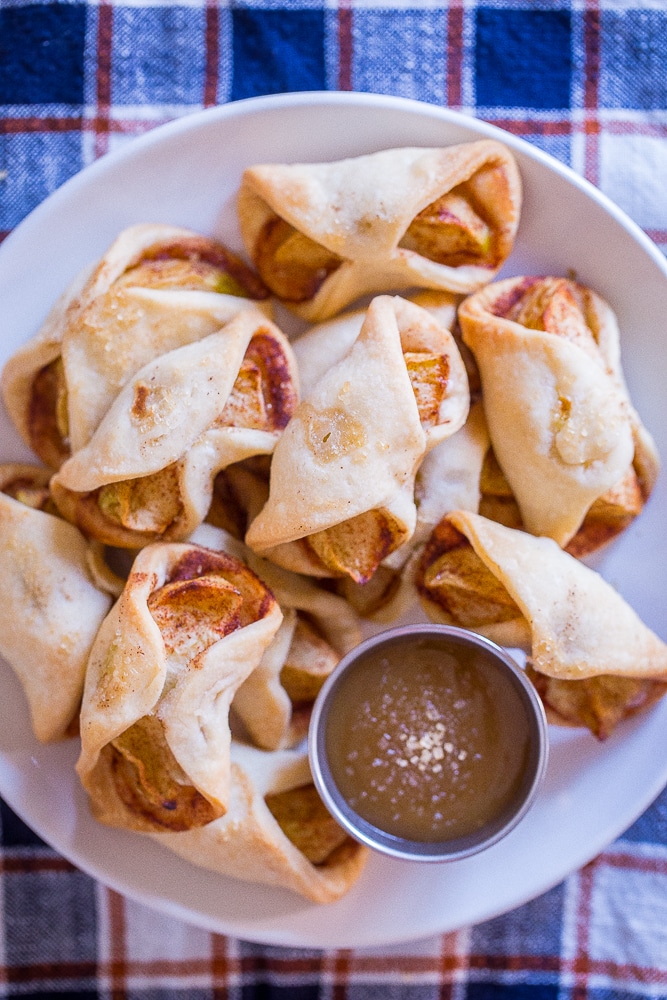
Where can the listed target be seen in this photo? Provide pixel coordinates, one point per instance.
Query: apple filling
(292, 265)
(151, 784)
(606, 518)
(356, 547)
(307, 823)
(48, 425)
(194, 263)
(453, 576)
(450, 231)
(263, 396)
(598, 703)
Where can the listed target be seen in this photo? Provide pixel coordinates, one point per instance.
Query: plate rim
(136, 146)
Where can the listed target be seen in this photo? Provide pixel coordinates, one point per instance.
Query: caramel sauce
(427, 743)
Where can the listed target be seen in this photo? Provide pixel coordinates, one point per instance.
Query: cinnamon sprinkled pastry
(605, 519)
(524, 591)
(147, 473)
(274, 704)
(342, 475)
(189, 627)
(560, 420)
(156, 288)
(50, 608)
(322, 235)
(276, 830)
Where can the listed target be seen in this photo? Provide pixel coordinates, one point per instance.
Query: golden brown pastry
(322, 235)
(147, 473)
(318, 627)
(598, 703)
(189, 627)
(448, 479)
(156, 288)
(276, 830)
(605, 519)
(524, 591)
(50, 608)
(560, 421)
(342, 475)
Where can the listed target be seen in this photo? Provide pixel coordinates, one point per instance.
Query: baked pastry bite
(560, 420)
(598, 703)
(605, 519)
(189, 627)
(524, 591)
(448, 479)
(156, 288)
(327, 343)
(323, 234)
(147, 472)
(50, 608)
(276, 830)
(342, 475)
(274, 704)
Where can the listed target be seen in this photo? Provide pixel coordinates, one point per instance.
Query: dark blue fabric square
(52, 918)
(14, 832)
(633, 63)
(158, 55)
(41, 54)
(523, 58)
(276, 51)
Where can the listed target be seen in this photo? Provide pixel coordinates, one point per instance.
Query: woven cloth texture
(585, 81)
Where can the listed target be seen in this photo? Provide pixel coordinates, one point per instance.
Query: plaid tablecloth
(587, 82)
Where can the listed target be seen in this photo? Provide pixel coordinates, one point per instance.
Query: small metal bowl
(451, 640)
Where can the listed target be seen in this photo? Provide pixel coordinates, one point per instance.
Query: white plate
(187, 173)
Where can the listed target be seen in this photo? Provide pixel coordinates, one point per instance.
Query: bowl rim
(415, 850)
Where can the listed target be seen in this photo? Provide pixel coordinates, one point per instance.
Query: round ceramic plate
(187, 173)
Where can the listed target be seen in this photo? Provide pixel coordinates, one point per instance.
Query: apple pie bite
(321, 235)
(341, 495)
(592, 658)
(50, 606)
(562, 426)
(147, 472)
(156, 288)
(189, 627)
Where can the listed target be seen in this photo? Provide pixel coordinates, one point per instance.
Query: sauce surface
(425, 742)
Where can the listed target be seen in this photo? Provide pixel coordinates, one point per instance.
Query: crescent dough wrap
(353, 447)
(372, 223)
(189, 627)
(177, 422)
(249, 841)
(50, 610)
(575, 624)
(157, 287)
(559, 417)
(318, 628)
(448, 479)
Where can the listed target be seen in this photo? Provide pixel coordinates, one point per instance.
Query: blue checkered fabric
(587, 82)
